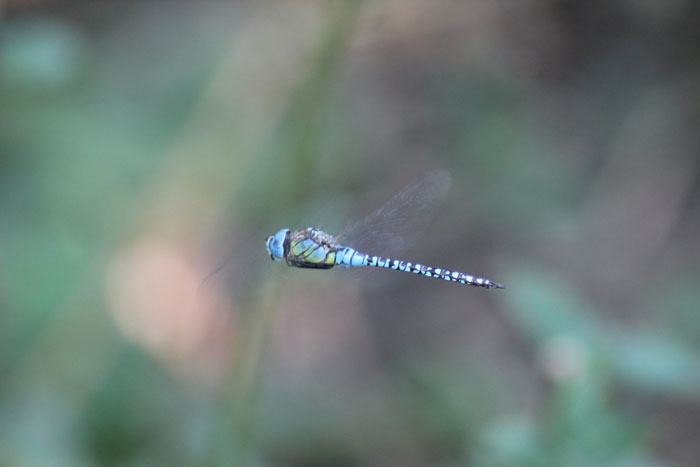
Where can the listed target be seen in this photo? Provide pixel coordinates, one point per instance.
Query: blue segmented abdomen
(349, 257)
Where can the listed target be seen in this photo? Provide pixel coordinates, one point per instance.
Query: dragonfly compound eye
(275, 244)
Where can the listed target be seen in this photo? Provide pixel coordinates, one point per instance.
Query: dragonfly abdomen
(349, 257)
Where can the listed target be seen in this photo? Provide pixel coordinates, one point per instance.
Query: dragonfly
(410, 208)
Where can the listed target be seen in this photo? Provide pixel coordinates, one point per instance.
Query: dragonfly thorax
(277, 244)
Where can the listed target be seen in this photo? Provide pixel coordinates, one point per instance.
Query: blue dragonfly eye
(275, 244)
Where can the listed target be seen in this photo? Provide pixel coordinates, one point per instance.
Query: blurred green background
(146, 144)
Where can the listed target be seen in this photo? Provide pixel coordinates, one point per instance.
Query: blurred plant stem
(294, 151)
(237, 417)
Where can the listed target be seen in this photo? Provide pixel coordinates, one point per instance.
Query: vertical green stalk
(294, 153)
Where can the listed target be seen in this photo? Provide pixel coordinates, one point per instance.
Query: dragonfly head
(277, 244)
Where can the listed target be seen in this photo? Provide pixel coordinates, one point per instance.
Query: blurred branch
(293, 153)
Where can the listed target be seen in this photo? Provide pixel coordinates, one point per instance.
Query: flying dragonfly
(409, 209)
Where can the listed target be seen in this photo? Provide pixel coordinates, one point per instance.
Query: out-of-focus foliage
(148, 148)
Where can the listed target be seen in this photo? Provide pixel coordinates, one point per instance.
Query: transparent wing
(238, 271)
(392, 228)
